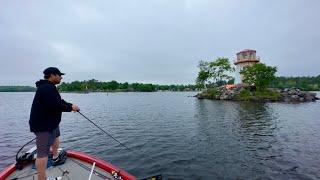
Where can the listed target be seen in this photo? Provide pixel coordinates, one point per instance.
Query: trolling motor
(30, 157)
(26, 158)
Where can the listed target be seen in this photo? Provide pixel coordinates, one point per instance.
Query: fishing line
(154, 177)
(105, 132)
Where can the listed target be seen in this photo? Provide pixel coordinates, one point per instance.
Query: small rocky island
(250, 83)
(249, 93)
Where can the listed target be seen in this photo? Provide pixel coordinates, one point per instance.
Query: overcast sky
(154, 41)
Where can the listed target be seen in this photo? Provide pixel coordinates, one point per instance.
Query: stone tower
(245, 58)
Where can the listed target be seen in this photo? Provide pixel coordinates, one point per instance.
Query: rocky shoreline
(249, 93)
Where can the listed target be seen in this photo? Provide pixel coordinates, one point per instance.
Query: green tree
(123, 85)
(216, 72)
(220, 70)
(259, 75)
(146, 88)
(113, 85)
(204, 74)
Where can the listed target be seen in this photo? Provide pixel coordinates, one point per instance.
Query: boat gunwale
(7, 171)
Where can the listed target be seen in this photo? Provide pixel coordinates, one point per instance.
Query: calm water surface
(179, 136)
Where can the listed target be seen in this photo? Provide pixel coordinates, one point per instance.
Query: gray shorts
(44, 140)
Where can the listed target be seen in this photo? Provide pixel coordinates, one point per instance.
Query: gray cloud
(152, 41)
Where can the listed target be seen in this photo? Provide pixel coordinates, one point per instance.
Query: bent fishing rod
(105, 131)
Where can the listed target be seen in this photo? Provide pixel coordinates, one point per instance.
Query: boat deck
(72, 169)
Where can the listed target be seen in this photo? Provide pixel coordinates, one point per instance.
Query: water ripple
(180, 137)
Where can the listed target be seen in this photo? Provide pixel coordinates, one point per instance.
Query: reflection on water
(181, 137)
(258, 125)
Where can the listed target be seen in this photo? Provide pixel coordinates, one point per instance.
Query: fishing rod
(105, 132)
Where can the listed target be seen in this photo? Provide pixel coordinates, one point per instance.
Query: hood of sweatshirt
(42, 82)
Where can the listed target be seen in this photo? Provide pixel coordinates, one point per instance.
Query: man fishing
(45, 117)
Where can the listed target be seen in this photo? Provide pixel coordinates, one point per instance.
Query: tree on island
(203, 75)
(215, 72)
(220, 70)
(259, 75)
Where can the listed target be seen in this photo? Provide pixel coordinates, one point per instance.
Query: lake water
(180, 136)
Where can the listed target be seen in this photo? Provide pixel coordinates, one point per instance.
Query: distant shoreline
(116, 91)
(33, 89)
(17, 89)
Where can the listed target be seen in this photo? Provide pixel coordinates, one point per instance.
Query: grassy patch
(265, 95)
(213, 93)
(245, 95)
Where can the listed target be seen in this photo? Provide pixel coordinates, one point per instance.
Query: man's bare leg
(41, 164)
(55, 147)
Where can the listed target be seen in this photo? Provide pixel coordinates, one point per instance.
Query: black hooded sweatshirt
(47, 107)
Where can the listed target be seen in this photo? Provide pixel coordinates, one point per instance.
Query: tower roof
(246, 50)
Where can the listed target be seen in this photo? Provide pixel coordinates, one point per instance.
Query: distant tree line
(303, 83)
(100, 86)
(17, 89)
